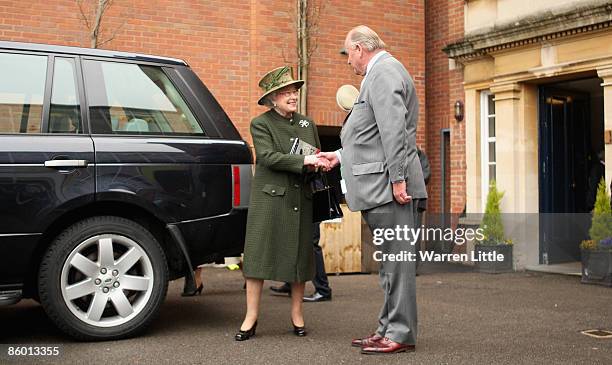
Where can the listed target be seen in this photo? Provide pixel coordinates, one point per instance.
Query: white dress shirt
(371, 63)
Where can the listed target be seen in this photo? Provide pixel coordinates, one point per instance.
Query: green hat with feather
(277, 79)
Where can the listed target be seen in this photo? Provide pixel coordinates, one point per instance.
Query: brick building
(231, 44)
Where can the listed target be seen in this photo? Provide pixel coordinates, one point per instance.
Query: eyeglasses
(289, 93)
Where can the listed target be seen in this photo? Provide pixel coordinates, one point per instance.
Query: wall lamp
(459, 111)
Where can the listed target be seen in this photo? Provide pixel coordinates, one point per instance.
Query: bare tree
(307, 20)
(92, 13)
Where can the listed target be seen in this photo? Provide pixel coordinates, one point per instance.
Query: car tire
(103, 278)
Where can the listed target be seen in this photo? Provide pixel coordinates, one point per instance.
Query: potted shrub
(597, 252)
(494, 239)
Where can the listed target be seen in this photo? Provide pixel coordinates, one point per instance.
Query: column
(605, 73)
(516, 122)
(507, 115)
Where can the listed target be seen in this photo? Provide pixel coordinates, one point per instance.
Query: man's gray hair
(366, 37)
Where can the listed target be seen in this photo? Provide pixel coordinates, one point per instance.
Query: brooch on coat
(303, 123)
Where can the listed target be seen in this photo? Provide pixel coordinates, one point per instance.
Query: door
(564, 148)
(152, 151)
(45, 155)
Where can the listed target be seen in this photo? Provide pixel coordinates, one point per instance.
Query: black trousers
(320, 281)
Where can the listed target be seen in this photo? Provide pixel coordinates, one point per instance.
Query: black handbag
(325, 205)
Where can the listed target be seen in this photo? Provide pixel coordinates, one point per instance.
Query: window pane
(133, 99)
(491, 151)
(22, 89)
(491, 126)
(491, 104)
(492, 172)
(65, 115)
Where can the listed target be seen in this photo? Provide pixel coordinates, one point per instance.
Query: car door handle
(66, 163)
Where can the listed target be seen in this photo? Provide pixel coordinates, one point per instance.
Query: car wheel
(103, 278)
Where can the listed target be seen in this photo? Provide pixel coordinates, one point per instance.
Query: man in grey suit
(383, 178)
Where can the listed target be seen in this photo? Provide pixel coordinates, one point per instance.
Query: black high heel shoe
(299, 331)
(198, 291)
(245, 335)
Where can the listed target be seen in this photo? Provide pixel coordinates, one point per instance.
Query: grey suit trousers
(398, 316)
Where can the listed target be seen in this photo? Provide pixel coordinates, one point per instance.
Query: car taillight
(236, 177)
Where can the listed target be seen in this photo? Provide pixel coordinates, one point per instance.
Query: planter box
(597, 267)
(493, 267)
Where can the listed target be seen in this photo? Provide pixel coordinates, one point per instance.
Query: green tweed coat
(278, 242)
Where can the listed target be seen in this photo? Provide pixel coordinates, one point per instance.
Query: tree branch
(92, 16)
(112, 35)
(82, 12)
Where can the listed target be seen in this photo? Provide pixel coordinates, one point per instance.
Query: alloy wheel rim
(107, 280)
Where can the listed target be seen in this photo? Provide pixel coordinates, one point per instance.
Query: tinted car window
(65, 116)
(22, 88)
(135, 99)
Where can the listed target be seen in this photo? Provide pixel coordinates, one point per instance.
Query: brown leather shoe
(386, 346)
(371, 340)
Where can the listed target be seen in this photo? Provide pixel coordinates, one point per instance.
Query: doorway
(570, 136)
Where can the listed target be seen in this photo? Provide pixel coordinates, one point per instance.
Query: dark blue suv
(118, 173)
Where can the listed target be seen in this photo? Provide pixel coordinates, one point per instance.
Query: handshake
(323, 160)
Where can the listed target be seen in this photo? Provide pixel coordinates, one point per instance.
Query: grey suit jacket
(379, 138)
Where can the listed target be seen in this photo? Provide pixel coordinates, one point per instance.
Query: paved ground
(464, 318)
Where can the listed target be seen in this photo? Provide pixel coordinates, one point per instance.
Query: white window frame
(484, 145)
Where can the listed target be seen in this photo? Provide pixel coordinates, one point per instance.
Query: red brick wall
(444, 24)
(231, 44)
(399, 23)
(205, 34)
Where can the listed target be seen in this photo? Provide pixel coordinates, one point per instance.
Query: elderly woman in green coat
(278, 243)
